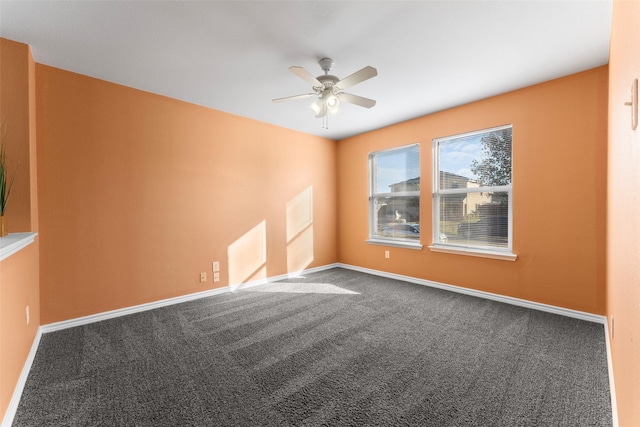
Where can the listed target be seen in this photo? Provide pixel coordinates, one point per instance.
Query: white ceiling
(234, 56)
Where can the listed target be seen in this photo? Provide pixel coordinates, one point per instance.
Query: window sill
(505, 256)
(395, 243)
(15, 242)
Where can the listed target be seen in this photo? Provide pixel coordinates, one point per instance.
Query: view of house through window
(472, 190)
(394, 202)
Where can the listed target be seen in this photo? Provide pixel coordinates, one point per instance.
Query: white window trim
(389, 241)
(479, 251)
(458, 250)
(397, 243)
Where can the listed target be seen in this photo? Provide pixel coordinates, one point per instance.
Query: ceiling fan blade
(305, 75)
(357, 77)
(357, 100)
(288, 98)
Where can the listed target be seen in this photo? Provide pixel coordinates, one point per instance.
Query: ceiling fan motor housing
(328, 81)
(326, 64)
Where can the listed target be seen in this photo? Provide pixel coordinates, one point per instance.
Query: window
(394, 199)
(472, 192)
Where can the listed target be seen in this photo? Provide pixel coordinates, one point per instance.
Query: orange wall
(19, 274)
(139, 193)
(15, 111)
(559, 194)
(623, 258)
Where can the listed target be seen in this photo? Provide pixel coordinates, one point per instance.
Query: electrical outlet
(28, 317)
(216, 266)
(216, 277)
(203, 277)
(386, 254)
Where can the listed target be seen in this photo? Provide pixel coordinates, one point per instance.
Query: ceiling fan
(328, 89)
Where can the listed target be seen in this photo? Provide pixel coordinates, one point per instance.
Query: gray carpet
(334, 348)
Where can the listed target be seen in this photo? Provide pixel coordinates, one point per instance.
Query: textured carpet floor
(334, 348)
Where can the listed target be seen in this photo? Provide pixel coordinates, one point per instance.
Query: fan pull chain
(325, 115)
(325, 121)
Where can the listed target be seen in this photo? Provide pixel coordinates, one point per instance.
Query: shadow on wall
(247, 256)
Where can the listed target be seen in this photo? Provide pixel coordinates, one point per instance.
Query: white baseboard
(51, 327)
(13, 405)
(519, 302)
(612, 384)
(486, 295)
(85, 320)
(22, 380)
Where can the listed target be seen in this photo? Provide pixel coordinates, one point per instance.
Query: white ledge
(505, 256)
(396, 243)
(14, 242)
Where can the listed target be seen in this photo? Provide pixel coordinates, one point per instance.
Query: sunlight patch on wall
(299, 213)
(300, 231)
(248, 256)
(300, 251)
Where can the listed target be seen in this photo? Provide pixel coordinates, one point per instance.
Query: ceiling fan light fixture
(332, 101)
(327, 102)
(335, 107)
(317, 107)
(328, 89)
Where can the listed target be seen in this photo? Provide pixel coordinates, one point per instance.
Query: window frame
(373, 237)
(486, 251)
